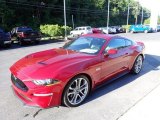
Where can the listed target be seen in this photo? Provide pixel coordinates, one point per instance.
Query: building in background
(154, 19)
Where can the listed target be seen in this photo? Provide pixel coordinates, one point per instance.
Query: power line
(59, 8)
(55, 7)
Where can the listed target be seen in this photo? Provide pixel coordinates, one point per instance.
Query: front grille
(18, 83)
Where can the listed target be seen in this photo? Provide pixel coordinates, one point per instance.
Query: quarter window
(128, 43)
(88, 28)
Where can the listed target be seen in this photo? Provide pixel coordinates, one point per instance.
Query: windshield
(24, 29)
(89, 45)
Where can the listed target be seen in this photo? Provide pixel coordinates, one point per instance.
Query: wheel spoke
(82, 93)
(70, 88)
(79, 82)
(75, 99)
(71, 93)
(83, 86)
(76, 83)
(80, 97)
(72, 100)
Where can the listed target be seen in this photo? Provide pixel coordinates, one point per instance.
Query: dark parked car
(119, 29)
(158, 28)
(24, 35)
(5, 38)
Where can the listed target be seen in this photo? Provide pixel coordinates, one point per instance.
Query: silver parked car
(81, 30)
(109, 30)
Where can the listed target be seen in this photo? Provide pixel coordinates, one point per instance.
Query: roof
(100, 35)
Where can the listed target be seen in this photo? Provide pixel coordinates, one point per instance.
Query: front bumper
(31, 39)
(7, 42)
(33, 98)
(44, 96)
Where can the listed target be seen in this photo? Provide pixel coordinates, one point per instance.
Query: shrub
(67, 28)
(126, 27)
(54, 30)
(147, 21)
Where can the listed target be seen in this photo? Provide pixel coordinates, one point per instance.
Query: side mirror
(111, 52)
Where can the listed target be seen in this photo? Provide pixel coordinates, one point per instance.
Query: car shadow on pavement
(43, 42)
(151, 63)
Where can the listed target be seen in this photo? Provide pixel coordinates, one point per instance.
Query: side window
(115, 44)
(80, 28)
(88, 28)
(76, 29)
(128, 43)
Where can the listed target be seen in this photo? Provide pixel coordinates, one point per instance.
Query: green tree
(85, 12)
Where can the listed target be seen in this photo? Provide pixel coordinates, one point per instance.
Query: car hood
(45, 63)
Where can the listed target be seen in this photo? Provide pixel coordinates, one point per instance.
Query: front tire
(76, 91)
(132, 31)
(20, 41)
(146, 31)
(137, 66)
(8, 45)
(37, 42)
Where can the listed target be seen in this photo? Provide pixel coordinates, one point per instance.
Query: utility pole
(128, 14)
(108, 16)
(65, 23)
(72, 22)
(137, 12)
(142, 17)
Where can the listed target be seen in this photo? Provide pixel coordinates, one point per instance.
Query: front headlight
(45, 82)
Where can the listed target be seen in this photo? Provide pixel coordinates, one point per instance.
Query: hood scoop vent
(42, 63)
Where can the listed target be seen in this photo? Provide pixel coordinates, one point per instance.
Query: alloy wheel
(138, 65)
(76, 91)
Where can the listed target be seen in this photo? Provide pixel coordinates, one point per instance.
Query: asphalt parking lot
(109, 102)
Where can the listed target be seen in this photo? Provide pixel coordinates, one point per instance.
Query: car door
(116, 63)
(141, 28)
(75, 31)
(79, 31)
(129, 52)
(137, 28)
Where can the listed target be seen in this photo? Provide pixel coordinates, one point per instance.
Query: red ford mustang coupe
(67, 75)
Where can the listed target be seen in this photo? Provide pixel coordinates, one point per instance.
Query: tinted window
(115, 44)
(88, 28)
(128, 42)
(24, 29)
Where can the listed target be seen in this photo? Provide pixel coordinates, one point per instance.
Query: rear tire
(76, 91)
(21, 42)
(36, 42)
(137, 66)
